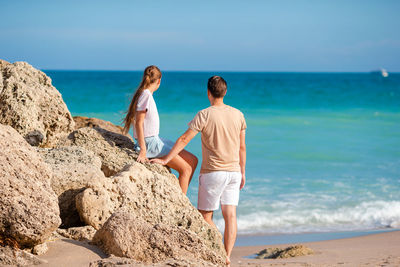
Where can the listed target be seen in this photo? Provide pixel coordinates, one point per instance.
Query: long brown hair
(150, 75)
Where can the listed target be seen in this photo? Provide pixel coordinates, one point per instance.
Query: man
(222, 173)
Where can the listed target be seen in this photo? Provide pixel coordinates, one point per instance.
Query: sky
(281, 35)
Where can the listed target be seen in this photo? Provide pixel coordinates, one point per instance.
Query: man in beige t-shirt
(222, 172)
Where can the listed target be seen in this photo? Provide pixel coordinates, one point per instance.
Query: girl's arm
(139, 122)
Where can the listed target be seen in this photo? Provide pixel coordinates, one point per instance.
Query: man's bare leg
(229, 213)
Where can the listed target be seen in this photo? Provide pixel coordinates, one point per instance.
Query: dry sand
(371, 250)
(67, 253)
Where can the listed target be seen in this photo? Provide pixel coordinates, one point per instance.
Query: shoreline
(260, 239)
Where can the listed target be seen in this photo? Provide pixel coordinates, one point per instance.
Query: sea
(323, 149)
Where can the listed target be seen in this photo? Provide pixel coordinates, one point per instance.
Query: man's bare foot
(228, 261)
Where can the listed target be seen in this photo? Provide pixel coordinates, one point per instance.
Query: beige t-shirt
(220, 128)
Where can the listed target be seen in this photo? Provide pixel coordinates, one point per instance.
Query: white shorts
(216, 187)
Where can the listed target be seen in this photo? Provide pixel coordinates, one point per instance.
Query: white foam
(365, 216)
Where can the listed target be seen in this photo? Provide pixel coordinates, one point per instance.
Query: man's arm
(177, 148)
(242, 157)
(139, 121)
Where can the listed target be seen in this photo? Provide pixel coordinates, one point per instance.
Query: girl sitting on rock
(143, 115)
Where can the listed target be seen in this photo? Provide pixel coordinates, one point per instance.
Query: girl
(143, 115)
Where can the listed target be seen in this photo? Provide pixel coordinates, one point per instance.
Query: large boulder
(115, 150)
(155, 198)
(74, 168)
(31, 105)
(126, 235)
(29, 210)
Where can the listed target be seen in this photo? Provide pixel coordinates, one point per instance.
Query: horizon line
(226, 71)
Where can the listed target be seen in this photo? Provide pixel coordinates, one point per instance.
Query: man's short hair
(217, 86)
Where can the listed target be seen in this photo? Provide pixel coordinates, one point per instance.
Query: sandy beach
(372, 250)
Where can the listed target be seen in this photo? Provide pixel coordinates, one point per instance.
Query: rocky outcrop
(114, 261)
(126, 235)
(28, 206)
(115, 150)
(89, 173)
(74, 168)
(15, 257)
(156, 198)
(31, 105)
(82, 122)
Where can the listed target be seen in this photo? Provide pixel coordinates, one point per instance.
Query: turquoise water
(323, 148)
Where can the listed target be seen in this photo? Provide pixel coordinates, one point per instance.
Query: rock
(15, 257)
(31, 105)
(282, 253)
(40, 249)
(115, 150)
(96, 205)
(149, 195)
(126, 235)
(74, 168)
(114, 261)
(29, 210)
(84, 233)
(82, 122)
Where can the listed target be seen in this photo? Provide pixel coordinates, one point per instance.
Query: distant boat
(381, 72)
(384, 73)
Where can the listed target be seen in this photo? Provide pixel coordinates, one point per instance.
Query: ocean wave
(364, 216)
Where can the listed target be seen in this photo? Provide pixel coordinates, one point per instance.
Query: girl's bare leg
(185, 164)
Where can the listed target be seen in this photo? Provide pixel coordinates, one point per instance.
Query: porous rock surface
(155, 198)
(29, 210)
(31, 105)
(82, 122)
(40, 249)
(115, 150)
(126, 235)
(15, 257)
(74, 168)
(82, 233)
(282, 253)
